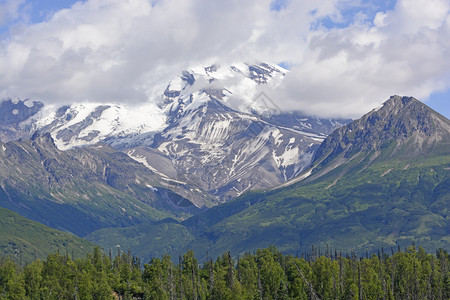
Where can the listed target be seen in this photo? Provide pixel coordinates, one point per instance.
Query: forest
(263, 274)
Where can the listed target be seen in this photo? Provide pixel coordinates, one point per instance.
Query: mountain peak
(404, 117)
(236, 85)
(400, 100)
(45, 137)
(402, 105)
(403, 124)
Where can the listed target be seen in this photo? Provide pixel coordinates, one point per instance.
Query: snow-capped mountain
(212, 127)
(219, 136)
(90, 123)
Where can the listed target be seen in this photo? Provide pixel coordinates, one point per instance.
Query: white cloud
(126, 50)
(348, 71)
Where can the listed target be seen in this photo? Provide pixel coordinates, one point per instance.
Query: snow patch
(177, 84)
(141, 159)
(307, 174)
(378, 108)
(289, 157)
(152, 188)
(98, 121)
(173, 180)
(295, 180)
(25, 150)
(28, 103)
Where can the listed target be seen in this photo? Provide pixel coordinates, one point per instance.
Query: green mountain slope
(24, 239)
(363, 211)
(82, 190)
(383, 180)
(379, 181)
(145, 240)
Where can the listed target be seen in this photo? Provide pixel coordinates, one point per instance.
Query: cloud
(115, 50)
(127, 50)
(10, 11)
(348, 71)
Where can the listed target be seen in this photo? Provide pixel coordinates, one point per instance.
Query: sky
(345, 57)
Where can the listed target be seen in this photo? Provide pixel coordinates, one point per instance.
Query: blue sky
(440, 102)
(349, 13)
(41, 9)
(346, 57)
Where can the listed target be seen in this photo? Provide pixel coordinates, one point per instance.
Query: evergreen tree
(266, 274)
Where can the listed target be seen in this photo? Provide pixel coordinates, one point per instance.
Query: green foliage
(24, 240)
(373, 200)
(101, 186)
(265, 274)
(145, 240)
(361, 206)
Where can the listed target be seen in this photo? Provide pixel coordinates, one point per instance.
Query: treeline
(264, 274)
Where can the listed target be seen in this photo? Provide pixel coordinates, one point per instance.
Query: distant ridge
(24, 240)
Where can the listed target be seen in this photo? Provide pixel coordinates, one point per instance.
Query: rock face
(82, 190)
(226, 143)
(12, 114)
(212, 128)
(404, 124)
(380, 181)
(226, 152)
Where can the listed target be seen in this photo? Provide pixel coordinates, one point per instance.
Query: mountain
(211, 130)
(380, 181)
(403, 124)
(13, 113)
(25, 240)
(83, 189)
(227, 152)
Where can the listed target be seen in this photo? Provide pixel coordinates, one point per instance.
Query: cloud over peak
(126, 51)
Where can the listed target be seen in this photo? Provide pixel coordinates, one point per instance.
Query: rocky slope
(13, 114)
(212, 128)
(82, 190)
(380, 181)
(404, 125)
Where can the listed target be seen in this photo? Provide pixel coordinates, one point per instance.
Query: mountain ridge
(401, 120)
(381, 195)
(82, 190)
(212, 128)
